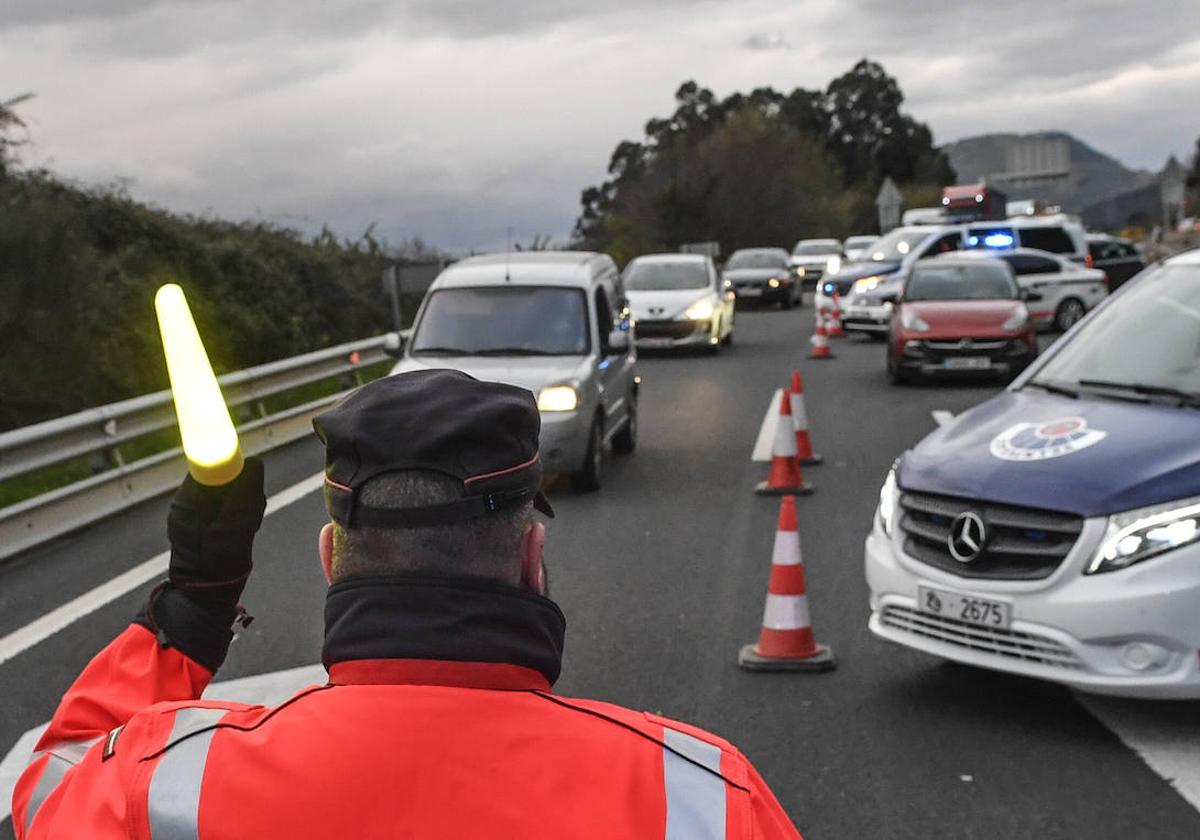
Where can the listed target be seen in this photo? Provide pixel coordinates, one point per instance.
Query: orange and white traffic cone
(835, 318)
(804, 450)
(819, 344)
(785, 477)
(786, 642)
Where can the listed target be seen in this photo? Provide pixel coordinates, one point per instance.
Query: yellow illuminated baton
(209, 439)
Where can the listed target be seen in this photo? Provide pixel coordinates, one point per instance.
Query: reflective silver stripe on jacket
(695, 797)
(173, 802)
(63, 757)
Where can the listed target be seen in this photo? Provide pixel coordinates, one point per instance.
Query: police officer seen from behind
(438, 719)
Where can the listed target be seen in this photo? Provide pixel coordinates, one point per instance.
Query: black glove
(211, 530)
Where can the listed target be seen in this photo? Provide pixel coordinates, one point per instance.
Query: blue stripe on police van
(173, 801)
(695, 797)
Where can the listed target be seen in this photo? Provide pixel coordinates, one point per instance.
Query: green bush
(78, 271)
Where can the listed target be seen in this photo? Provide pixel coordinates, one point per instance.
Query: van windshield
(896, 245)
(1149, 342)
(503, 321)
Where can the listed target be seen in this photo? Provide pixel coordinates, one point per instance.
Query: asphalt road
(662, 576)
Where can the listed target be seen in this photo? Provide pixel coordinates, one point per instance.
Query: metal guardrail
(100, 431)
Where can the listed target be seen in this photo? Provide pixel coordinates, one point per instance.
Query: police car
(1053, 531)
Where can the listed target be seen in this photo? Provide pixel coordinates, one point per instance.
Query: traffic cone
(819, 344)
(835, 318)
(786, 642)
(784, 477)
(804, 450)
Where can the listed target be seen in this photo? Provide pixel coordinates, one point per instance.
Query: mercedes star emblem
(968, 536)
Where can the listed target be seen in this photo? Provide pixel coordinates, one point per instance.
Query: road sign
(1036, 159)
(890, 202)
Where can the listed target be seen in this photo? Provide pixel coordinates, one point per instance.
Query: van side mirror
(1030, 296)
(617, 343)
(393, 343)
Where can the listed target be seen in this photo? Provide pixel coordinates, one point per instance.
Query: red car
(959, 316)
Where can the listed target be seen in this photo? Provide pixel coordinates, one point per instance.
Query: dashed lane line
(19, 641)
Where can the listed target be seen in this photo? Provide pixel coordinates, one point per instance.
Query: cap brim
(543, 504)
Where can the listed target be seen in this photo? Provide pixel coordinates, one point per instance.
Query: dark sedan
(763, 274)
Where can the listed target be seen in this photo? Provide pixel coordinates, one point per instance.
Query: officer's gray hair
(487, 547)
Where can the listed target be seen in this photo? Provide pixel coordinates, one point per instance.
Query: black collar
(442, 618)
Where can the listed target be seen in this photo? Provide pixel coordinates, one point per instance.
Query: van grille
(1022, 543)
(1010, 644)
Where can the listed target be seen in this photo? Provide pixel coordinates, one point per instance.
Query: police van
(1053, 531)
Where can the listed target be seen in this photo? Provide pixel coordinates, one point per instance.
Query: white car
(1053, 531)
(812, 258)
(1068, 290)
(679, 300)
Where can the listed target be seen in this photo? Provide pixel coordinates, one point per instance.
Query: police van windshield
(503, 321)
(644, 276)
(1147, 340)
(960, 282)
(896, 245)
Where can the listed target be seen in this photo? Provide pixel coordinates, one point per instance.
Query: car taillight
(1089, 261)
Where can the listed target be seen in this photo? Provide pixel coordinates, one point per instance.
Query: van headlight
(1137, 535)
(701, 310)
(1017, 320)
(889, 495)
(558, 398)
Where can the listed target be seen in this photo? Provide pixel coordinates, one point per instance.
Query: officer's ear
(533, 574)
(325, 551)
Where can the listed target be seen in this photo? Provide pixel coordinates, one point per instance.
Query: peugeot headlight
(1017, 320)
(833, 265)
(701, 310)
(889, 494)
(558, 398)
(1138, 535)
(911, 321)
(773, 282)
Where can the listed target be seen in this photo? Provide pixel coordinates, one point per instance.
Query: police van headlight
(1137, 535)
(558, 398)
(889, 496)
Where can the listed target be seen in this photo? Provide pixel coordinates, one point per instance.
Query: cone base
(765, 489)
(822, 356)
(812, 460)
(822, 660)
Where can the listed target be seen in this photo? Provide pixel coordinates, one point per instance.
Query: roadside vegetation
(78, 270)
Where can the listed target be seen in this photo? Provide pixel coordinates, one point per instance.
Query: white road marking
(1164, 735)
(261, 690)
(766, 432)
(35, 632)
(942, 417)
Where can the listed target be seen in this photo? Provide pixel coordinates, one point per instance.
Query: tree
(713, 169)
(10, 124)
(1193, 182)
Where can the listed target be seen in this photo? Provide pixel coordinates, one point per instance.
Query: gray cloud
(455, 119)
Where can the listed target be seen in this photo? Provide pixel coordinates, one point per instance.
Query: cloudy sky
(456, 119)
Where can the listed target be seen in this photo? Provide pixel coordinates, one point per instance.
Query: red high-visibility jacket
(389, 748)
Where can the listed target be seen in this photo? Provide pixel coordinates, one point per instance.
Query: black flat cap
(484, 434)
